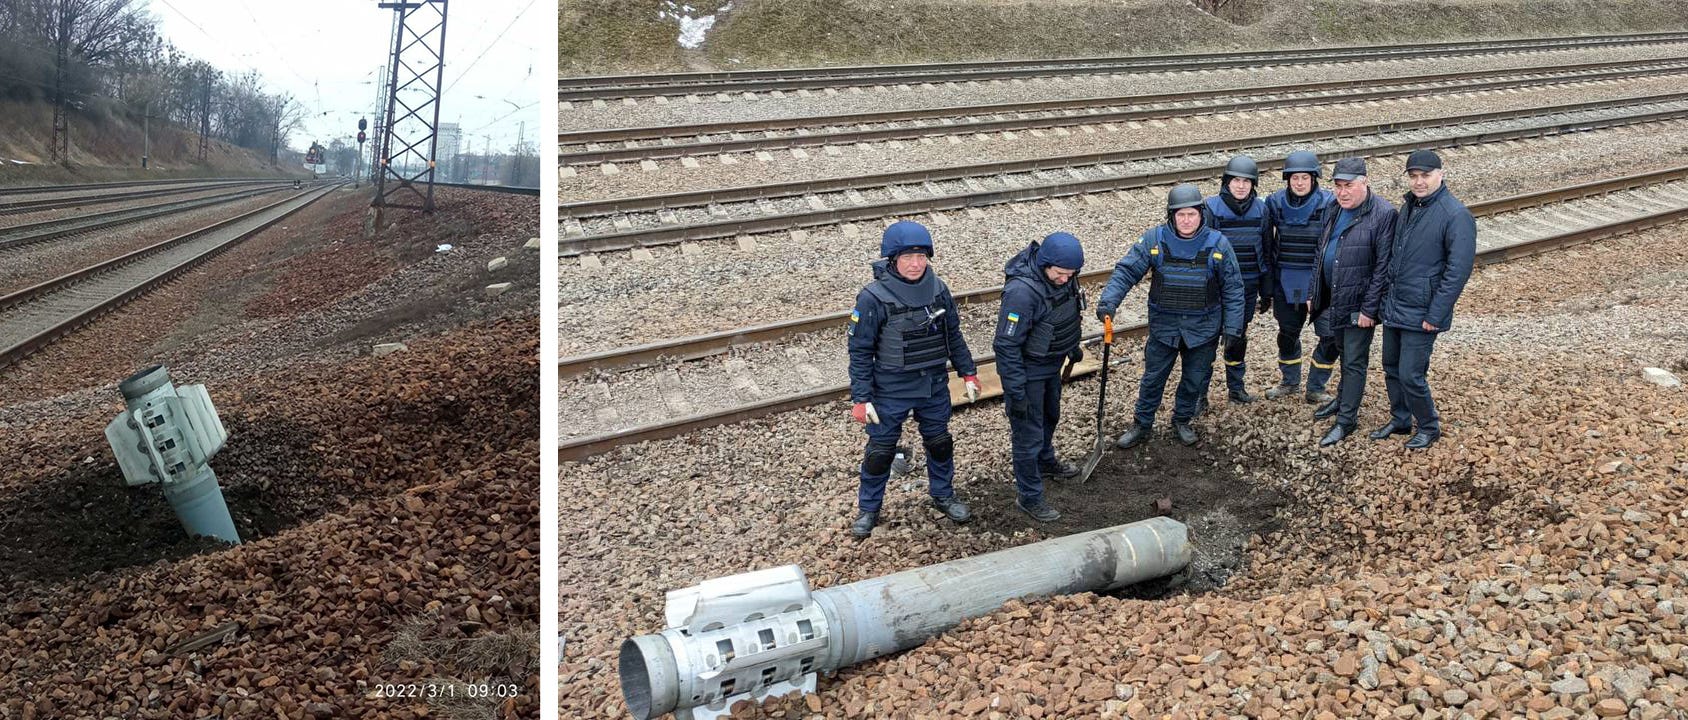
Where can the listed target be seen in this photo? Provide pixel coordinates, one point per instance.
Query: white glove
(972, 391)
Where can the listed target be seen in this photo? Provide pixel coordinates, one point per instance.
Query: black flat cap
(1424, 160)
(1349, 168)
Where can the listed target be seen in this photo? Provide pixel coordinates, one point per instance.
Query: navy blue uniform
(1037, 329)
(1195, 293)
(901, 337)
(1246, 231)
(1292, 248)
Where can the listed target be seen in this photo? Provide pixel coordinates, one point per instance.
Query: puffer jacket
(1431, 259)
(1362, 263)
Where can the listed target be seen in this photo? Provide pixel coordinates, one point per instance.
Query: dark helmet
(1180, 197)
(1301, 161)
(1242, 166)
(1060, 250)
(905, 236)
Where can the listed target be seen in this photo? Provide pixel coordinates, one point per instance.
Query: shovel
(1101, 404)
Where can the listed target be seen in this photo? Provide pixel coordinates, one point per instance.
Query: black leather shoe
(952, 508)
(1135, 436)
(1423, 440)
(1241, 397)
(1336, 434)
(1038, 510)
(1059, 470)
(1186, 434)
(863, 526)
(1326, 410)
(1389, 428)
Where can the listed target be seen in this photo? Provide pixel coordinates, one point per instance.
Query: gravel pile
(784, 278)
(677, 111)
(591, 184)
(389, 504)
(1531, 562)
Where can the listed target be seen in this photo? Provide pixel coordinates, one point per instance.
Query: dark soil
(1221, 508)
(86, 520)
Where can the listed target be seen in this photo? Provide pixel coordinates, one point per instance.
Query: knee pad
(878, 458)
(940, 447)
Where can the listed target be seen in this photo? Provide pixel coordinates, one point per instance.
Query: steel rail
(584, 447)
(1271, 97)
(42, 339)
(702, 346)
(42, 189)
(18, 206)
(20, 235)
(507, 189)
(652, 237)
(624, 86)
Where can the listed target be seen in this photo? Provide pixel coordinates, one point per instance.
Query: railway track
(20, 235)
(662, 220)
(627, 87)
(82, 195)
(36, 316)
(805, 367)
(100, 187)
(681, 141)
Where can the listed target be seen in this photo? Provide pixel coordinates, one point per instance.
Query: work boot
(1242, 397)
(1038, 510)
(1282, 391)
(863, 526)
(1186, 434)
(1389, 428)
(1326, 410)
(1423, 440)
(1135, 436)
(1060, 470)
(952, 508)
(1336, 434)
(1316, 397)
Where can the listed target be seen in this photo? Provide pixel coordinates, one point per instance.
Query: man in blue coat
(1036, 331)
(1195, 297)
(1348, 285)
(904, 331)
(1240, 214)
(1299, 213)
(1431, 259)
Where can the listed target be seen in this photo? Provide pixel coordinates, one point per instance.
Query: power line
(490, 45)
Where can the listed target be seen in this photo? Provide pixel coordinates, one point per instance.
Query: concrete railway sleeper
(615, 227)
(34, 317)
(1509, 228)
(749, 81)
(659, 143)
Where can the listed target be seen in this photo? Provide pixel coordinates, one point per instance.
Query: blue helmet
(905, 236)
(1060, 250)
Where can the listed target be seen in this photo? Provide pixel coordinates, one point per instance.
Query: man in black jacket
(1432, 256)
(1348, 282)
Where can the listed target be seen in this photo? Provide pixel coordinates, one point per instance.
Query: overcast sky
(327, 53)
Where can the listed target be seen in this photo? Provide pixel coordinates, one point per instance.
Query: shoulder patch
(1154, 250)
(855, 316)
(1014, 317)
(1219, 256)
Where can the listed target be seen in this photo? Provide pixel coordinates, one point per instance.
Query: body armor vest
(1184, 287)
(1299, 228)
(1246, 232)
(1058, 334)
(911, 339)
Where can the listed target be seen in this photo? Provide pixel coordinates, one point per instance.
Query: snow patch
(693, 30)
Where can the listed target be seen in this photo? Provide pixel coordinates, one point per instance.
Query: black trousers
(1356, 355)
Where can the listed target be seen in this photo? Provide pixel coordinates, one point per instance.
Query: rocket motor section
(167, 435)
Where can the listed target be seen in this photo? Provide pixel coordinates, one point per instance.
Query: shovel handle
(1108, 329)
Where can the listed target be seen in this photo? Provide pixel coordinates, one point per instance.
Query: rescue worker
(1195, 297)
(902, 333)
(1298, 215)
(1239, 213)
(1036, 331)
(1348, 285)
(1434, 249)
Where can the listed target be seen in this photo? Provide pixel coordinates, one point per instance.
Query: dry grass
(487, 660)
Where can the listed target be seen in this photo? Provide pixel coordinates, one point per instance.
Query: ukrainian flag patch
(1013, 317)
(855, 317)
